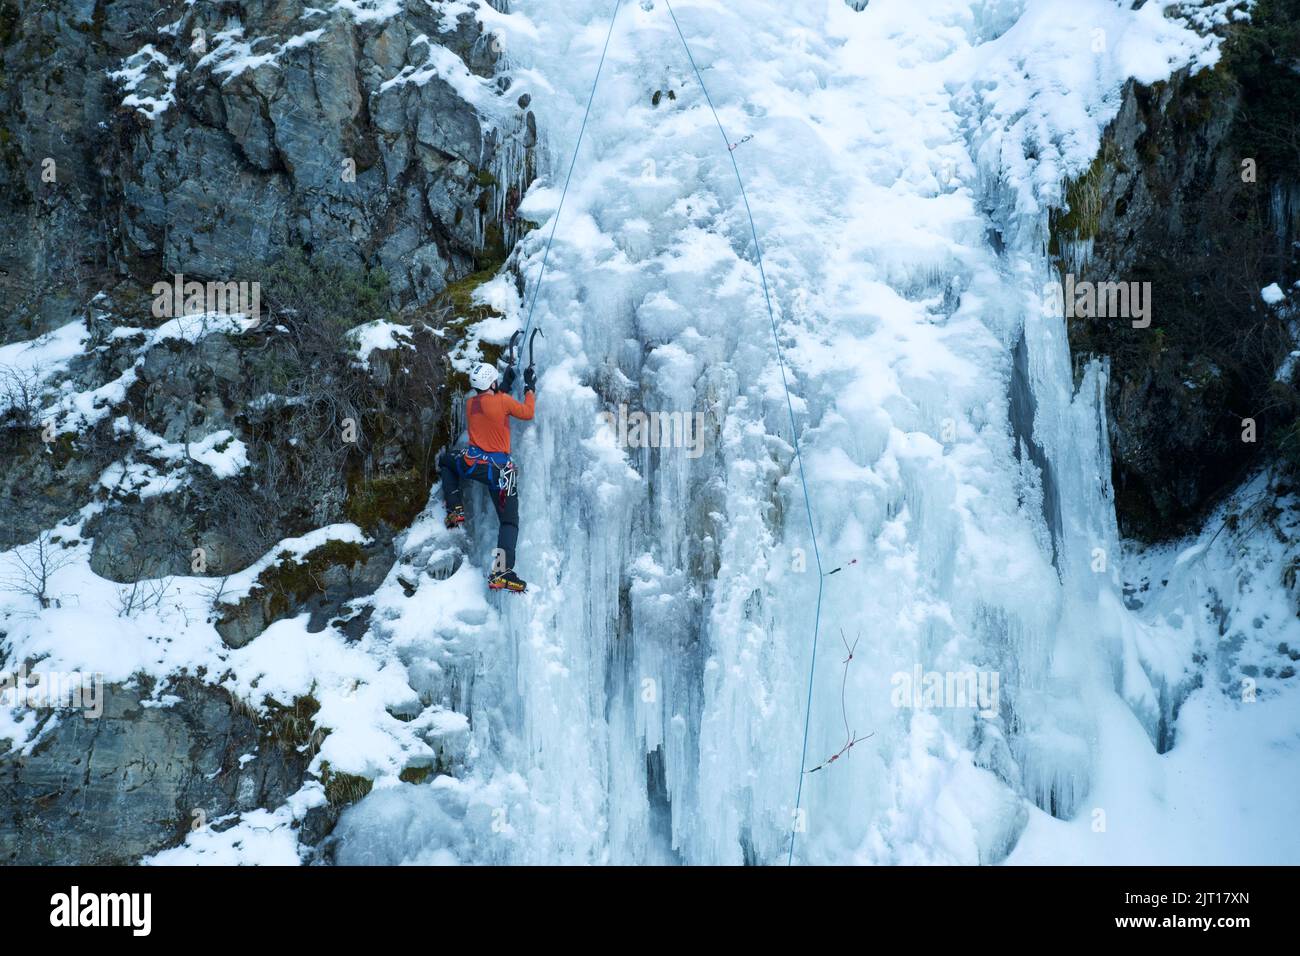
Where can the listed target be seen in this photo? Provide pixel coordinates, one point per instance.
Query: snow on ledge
(140, 66)
(380, 334)
(27, 366)
(369, 11)
(259, 838)
(233, 54)
(77, 410)
(238, 586)
(445, 65)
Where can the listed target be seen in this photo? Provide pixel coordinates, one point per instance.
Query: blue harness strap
(500, 460)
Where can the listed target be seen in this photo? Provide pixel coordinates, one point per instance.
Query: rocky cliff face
(147, 139)
(1194, 193)
(133, 780)
(361, 161)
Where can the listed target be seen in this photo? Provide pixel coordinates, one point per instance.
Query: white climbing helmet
(483, 376)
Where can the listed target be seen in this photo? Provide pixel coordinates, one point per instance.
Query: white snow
(445, 65)
(369, 11)
(77, 410)
(223, 453)
(237, 586)
(146, 63)
(257, 838)
(25, 367)
(357, 685)
(234, 54)
(1272, 294)
(1225, 792)
(380, 334)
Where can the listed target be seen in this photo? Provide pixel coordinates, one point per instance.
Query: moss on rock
(344, 789)
(394, 500)
(415, 774)
(291, 581)
(293, 726)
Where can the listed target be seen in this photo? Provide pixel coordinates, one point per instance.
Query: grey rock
(330, 588)
(440, 125)
(1172, 212)
(41, 485)
(252, 129)
(242, 167)
(109, 790)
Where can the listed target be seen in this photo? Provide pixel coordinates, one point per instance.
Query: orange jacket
(488, 416)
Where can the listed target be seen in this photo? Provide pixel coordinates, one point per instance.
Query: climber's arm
(523, 410)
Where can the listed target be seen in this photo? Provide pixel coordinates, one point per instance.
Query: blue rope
(794, 432)
(555, 220)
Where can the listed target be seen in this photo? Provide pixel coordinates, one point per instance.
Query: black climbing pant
(454, 470)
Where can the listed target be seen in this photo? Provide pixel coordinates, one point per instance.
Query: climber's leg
(507, 505)
(508, 532)
(450, 472)
(449, 467)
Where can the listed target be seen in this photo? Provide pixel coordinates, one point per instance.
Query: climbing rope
(794, 431)
(555, 220)
(851, 739)
(776, 339)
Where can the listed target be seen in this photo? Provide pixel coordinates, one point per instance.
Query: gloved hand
(508, 380)
(530, 379)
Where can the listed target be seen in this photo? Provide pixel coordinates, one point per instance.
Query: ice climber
(486, 459)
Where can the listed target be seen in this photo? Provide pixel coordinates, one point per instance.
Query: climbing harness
(508, 483)
(794, 431)
(507, 475)
(850, 738)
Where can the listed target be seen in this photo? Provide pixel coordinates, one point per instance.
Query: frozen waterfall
(645, 701)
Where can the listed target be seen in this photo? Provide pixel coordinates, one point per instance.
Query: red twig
(850, 739)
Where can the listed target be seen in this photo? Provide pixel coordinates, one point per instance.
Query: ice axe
(512, 350)
(532, 345)
(530, 372)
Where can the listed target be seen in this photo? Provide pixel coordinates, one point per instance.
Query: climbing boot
(507, 581)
